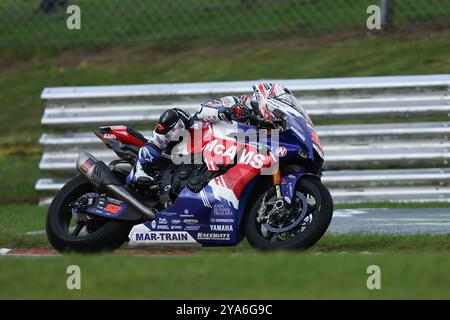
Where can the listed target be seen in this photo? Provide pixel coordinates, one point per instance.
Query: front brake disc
(299, 218)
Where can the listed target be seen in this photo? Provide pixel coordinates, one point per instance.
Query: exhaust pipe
(102, 177)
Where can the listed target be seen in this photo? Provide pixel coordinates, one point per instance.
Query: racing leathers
(172, 120)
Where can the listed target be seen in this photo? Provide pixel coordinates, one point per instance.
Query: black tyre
(100, 234)
(313, 214)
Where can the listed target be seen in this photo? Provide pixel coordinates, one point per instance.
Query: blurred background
(41, 23)
(168, 41)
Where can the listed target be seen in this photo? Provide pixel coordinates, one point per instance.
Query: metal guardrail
(373, 162)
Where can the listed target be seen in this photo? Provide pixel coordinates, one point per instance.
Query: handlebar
(258, 121)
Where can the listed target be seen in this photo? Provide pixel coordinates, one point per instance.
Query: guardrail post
(387, 14)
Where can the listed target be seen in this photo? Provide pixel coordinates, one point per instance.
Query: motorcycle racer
(226, 108)
(220, 174)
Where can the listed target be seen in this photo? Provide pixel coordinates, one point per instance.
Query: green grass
(171, 20)
(335, 268)
(414, 266)
(16, 220)
(22, 79)
(392, 55)
(245, 275)
(19, 174)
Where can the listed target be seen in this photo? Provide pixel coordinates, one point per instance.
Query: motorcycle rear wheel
(104, 235)
(309, 230)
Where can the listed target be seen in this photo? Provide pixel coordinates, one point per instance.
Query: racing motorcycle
(266, 190)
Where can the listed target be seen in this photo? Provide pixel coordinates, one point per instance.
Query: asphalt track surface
(383, 220)
(393, 221)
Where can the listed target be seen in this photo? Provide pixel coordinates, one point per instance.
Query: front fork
(276, 183)
(285, 186)
(284, 191)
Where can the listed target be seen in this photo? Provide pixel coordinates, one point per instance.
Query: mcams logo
(252, 158)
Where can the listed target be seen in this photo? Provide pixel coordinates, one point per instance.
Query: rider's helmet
(269, 99)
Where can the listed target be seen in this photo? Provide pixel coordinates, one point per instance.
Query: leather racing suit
(176, 119)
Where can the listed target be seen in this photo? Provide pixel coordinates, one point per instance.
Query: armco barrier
(398, 161)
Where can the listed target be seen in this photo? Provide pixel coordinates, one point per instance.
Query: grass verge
(335, 268)
(245, 275)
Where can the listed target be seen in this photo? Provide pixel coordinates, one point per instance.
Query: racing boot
(139, 176)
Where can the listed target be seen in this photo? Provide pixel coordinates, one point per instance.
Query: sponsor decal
(176, 221)
(141, 235)
(219, 210)
(161, 236)
(162, 227)
(115, 201)
(281, 151)
(222, 220)
(221, 227)
(213, 236)
(87, 165)
(165, 213)
(108, 206)
(162, 220)
(153, 224)
(186, 214)
(192, 228)
(190, 221)
(254, 159)
(291, 188)
(112, 208)
(176, 227)
(110, 136)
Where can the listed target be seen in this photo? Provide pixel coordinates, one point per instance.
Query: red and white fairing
(219, 147)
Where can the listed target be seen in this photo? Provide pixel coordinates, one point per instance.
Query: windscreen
(286, 106)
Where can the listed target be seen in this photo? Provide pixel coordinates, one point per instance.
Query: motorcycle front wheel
(272, 225)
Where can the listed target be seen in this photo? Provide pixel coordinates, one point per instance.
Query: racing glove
(225, 113)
